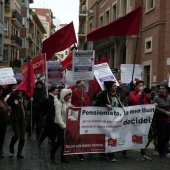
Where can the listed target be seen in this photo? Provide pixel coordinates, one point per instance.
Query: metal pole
(31, 133)
(135, 57)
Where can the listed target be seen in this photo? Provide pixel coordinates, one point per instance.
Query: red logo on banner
(112, 142)
(137, 139)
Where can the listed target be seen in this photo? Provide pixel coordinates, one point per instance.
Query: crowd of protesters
(49, 113)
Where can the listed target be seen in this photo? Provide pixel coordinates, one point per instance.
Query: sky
(65, 11)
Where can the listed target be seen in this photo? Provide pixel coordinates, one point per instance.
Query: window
(114, 14)
(5, 53)
(101, 21)
(148, 45)
(123, 7)
(107, 17)
(150, 4)
(6, 26)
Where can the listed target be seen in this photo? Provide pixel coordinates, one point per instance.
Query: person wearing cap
(4, 117)
(109, 98)
(39, 92)
(138, 97)
(162, 118)
(60, 123)
(19, 118)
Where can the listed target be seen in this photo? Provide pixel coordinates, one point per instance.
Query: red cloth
(39, 65)
(28, 82)
(126, 25)
(76, 98)
(105, 60)
(59, 41)
(134, 98)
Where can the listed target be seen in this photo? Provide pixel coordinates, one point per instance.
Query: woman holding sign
(109, 98)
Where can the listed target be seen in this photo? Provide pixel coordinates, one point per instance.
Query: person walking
(19, 118)
(162, 119)
(138, 97)
(109, 98)
(4, 117)
(80, 98)
(48, 106)
(39, 92)
(60, 123)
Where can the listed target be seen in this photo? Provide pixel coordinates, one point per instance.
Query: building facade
(153, 40)
(1, 28)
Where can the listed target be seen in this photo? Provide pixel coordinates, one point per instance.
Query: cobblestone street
(39, 159)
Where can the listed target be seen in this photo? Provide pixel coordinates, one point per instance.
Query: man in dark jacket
(39, 92)
(162, 118)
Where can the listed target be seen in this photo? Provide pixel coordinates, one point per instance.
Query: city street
(39, 159)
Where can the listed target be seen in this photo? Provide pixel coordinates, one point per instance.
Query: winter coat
(48, 106)
(4, 111)
(163, 105)
(38, 94)
(76, 98)
(61, 107)
(18, 113)
(105, 98)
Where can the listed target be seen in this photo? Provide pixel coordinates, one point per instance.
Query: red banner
(38, 63)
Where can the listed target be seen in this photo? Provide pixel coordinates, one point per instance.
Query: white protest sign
(7, 76)
(53, 68)
(83, 65)
(127, 70)
(103, 73)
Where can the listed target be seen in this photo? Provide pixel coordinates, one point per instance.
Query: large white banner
(83, 65)
(127, 70)
(103, 73)
(96, 129)
(7, 76)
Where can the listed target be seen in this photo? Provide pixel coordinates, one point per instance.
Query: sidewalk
(39, 159)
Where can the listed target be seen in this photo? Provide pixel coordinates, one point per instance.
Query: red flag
(67, 63)
(39, 65)
(105, 60)
(28, 82)
(126, 25)
(59, 41)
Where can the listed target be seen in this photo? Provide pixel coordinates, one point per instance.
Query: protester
(60, 122)
(39, 92)
(80, 98)
(109, 98)
(19, 118)
(48, 105)
(162, 118)
(4, 117)
(138, 97)
(122, 90)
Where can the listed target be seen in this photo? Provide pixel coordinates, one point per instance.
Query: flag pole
(46, 76)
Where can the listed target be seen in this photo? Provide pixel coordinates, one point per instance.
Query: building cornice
(163, 21)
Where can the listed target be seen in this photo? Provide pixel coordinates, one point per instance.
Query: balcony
(17, 19)
(82, 32)
(16, 41)
(82, 12)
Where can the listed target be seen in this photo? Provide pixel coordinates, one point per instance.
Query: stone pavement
(40, 159)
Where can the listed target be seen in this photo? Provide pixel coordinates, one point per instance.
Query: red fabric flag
(126, 25)
(39, 65)
(59, 41)
(67, 63)
(28, 82)
(105, 60)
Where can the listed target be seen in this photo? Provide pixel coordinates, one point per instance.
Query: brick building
(153, 39)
